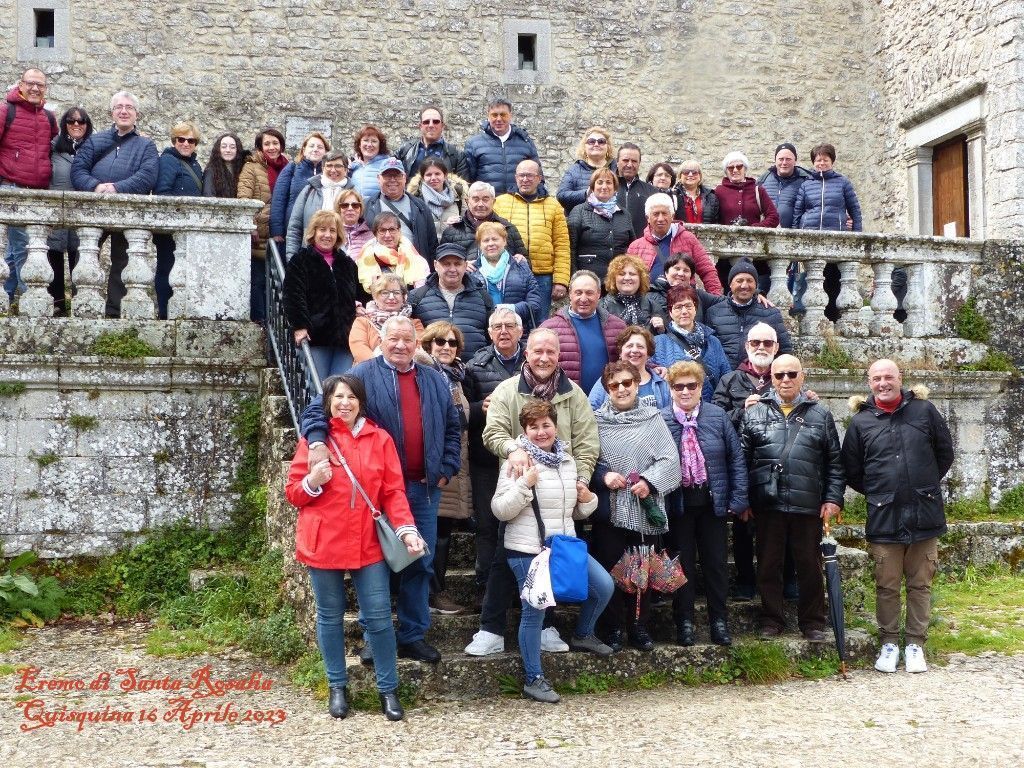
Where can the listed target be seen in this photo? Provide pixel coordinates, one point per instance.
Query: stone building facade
(883, 80)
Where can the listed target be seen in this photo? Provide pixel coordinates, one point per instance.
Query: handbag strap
(188, 169)
(540, 522)
(791, 436)
(374, 512)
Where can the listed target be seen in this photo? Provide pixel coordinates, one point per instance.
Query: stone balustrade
(939, 272)
(210, 277)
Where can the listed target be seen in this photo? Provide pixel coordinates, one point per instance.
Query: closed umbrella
(834, 589)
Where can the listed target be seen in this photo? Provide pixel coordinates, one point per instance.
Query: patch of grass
(7, 669)
(588, 683)
(818, 667)
(971, 324)
(12, 388)
(367, 699)
(124, 344)
(1011, 504)
(982, 611)
(855, 511)
(82, 423)
(970, 510)
(995, 362)
(832, 357)
(762, 662)
(509, 685)
(9, 639)
(45, 459)
(309, 673)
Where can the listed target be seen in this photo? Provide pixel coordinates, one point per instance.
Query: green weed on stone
(82, 423)
(11, 388)
(124, 344)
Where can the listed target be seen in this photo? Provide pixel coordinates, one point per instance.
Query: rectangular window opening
(527, 47)
(44, 25)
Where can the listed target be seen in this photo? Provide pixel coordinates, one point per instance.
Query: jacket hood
(458, 185)
(257, 158)
(859, 402)
(14, 97)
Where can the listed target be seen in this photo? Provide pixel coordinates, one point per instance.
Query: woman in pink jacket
(335, 533)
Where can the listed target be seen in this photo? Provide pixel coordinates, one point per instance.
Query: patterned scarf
(437, 202)
(630, 308)
(603, 209)
(378, 316)
(694, 470)
(405, 261)
(764, 380)
(692, 342)
(542, 390)
(551, 458)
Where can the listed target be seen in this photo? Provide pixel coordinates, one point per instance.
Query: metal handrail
(295, 364)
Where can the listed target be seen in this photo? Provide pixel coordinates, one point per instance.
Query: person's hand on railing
(301, 335)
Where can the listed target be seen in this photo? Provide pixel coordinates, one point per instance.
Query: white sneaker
(485, 643)
(551, 642)
(888, 658)
(913, 657)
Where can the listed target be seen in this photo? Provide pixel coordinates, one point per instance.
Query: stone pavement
(969, 713)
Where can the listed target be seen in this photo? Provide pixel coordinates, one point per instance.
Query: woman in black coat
(321, 294)
(599, 230)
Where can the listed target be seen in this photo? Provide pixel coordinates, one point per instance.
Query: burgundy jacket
(569, 343)
(741, 200)
(646, 248)
(25, 146)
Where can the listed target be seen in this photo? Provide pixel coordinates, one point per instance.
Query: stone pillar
(37, 274)
(849, 302)
(89, 279)
(779, 294)
(976, 180)
(815, 323)
(5, 272)
(919, 190)
(206, 259)
(176, 306)
(883, 303)
(138, 278)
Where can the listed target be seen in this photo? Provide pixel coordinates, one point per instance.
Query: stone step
(458, 676)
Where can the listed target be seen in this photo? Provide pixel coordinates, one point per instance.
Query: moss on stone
(971, 324)
(11, 388)
(82, 423)
(124, 344)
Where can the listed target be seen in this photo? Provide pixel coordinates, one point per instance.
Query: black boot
(685, 634)
(720, 632)
(337, 703)
(640, 638)
(391, 706)
(615, 640)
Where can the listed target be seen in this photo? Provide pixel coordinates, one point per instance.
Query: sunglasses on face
(350, 205)
(760, 343)
(76, 121)
(688, 386)
(453, 343)
(185, 140)
(690, 173)
(598, 142)
(623, 384)
(735, 167)
(785, 375)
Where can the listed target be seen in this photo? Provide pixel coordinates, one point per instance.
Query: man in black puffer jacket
(480, 208)
(733, 318)
(896, 451)
(455, 295)
(796, 482)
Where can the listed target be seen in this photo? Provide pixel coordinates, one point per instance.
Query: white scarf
(331, 191)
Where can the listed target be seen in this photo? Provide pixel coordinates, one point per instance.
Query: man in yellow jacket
(541, 222)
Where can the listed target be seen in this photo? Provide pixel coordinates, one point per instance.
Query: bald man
(896, 451)
(796, 482)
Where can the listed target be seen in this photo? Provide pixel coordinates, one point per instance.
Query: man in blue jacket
(117, 160)
(413, 403)
(493, 154)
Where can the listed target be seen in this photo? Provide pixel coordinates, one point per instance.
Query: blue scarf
(605, 210)
(494, 275)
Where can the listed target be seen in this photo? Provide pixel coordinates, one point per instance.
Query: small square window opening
(44, 27)
(527, 49)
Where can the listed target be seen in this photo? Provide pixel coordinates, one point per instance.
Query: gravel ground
(968, 713)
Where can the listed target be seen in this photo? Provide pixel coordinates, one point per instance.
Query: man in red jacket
(26, 130)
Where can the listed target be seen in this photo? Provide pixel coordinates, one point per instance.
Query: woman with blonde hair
(388, 298)
(350, 206)
(595, 151)
(322, 294)
(628, 294)
(508, 280)
(695, 203)
(308, 163)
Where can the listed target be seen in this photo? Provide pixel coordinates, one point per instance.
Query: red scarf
(274, 167)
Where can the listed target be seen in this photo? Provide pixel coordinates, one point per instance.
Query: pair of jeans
(917, 564)
(16, 256)
(545, 283)
(373, 591)
(599, 592)
(164, 263)
(414, 580)
(329, 361)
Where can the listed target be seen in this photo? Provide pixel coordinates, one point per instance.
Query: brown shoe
(770, 632)
(441, 604)
(816, 636)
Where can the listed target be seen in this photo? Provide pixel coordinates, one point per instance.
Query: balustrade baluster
(913, 302)
(815, 300)
(176, 305)
(138, 278)
(849, 303)
(88, 277)
(883, 303)
(37, 274)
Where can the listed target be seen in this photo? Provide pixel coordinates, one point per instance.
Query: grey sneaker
(540, 690)
(591, 644)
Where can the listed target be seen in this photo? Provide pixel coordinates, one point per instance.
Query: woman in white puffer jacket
(552, 477)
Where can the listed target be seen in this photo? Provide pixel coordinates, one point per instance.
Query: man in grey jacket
(117, 160)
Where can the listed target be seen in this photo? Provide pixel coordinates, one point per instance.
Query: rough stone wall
(928, 50)
(95, 449)
(692, 78)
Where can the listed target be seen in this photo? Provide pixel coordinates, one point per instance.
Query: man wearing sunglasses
(26, 129)
(796, 482)
(431, 143)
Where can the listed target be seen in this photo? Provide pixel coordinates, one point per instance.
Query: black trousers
(118, 261)
(700, 530)
(485, 481)
(743, 535)
(804, 534)
(57, 288)
(607, 544)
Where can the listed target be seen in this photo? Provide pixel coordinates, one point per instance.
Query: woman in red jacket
(335, 533)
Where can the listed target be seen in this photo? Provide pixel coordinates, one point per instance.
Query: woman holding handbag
(336, 532)
(545, 495)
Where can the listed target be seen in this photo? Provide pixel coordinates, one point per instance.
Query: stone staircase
(459, 676)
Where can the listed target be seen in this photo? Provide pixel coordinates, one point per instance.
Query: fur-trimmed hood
(459, 186)
(918, 392)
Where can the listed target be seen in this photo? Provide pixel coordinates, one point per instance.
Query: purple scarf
(692, 464)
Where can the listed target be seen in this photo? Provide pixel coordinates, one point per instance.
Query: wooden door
(949, 188)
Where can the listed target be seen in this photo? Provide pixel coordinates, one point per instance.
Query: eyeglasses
(430, 122)
(350, 205)
(689, 173)
(735, 167)
(686, 386)
(785, 375)
(33, 85)
(384, 230)
(76, 121)
(622, 383)
(123, 108)
(186, 140)
(503, 326)
(597, 141)
(526, 175)
(688, 306)
(453, 343)
(761, 342)
(390, 294)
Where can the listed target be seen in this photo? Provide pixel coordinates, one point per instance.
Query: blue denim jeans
(545, 282)
(373, 592)
(796, 281)
(414, 581)
(16, 256)
(330, 361)
(599, 592)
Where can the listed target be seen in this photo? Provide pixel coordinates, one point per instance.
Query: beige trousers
(916, 563)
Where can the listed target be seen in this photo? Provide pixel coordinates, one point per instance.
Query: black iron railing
(298, 374)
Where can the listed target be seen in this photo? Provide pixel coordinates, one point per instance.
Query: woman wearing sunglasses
(594, 152)
(180, 175)
(75, 128)
(349, 205)
(714, 486)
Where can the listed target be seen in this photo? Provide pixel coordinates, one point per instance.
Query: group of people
(645, 454)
